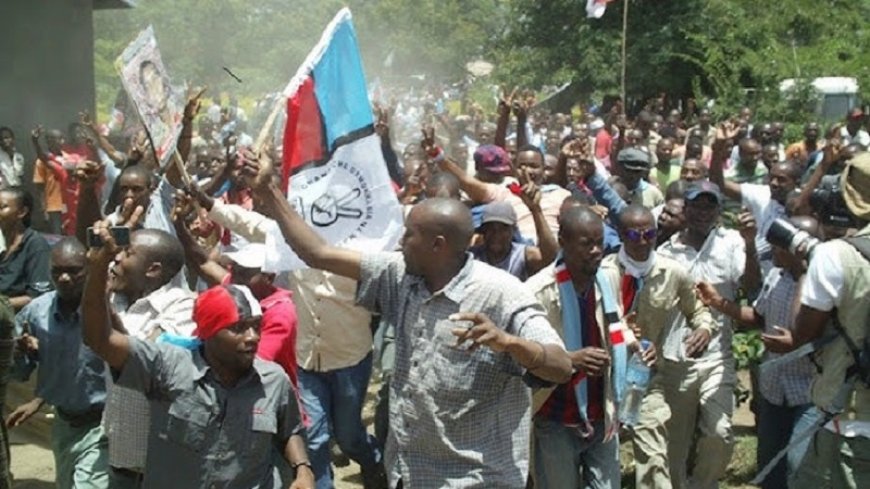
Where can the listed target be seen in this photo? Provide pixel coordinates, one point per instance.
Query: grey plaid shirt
(458, 419)
(788, 384)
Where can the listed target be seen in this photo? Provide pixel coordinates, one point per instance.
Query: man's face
(749, 154)
(129, 273)
(485, 134)
(583, 248)
(665, 150)
(235, 347)
(704, 118)
(550, 164)
(580, 129)
(673, 217)
(532, 163)
(691, 170)
(770, 156)
(577, 170)
(68, 272)
(459, 152)
(152, 84)
(497, 239)
(811, 133)
(638, 235)
(7, 141)
(702, 214)
(416, 243)
(11, 211)
(54, 140)
(631, 177)
(135, 186)
(554, 142)
(765, 134)
(781, 183)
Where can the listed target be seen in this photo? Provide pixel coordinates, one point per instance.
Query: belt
(78, 420)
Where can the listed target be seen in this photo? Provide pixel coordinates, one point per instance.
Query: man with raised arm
(459, 414)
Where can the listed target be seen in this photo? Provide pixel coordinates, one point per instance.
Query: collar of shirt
(280, 295)
(59, 316)
(455, 289)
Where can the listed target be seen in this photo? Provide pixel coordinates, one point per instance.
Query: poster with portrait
(160, 104)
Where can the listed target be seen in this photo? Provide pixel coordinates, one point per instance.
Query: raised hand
(747, 225)
(725, 134)
(86, 119)
(428, 142)
(382, 125)
(256, 168)
(182, 207)
(37, 132)
(505, 101)
(88, 173)
(191, 108)
(131, 215)
(530, 192)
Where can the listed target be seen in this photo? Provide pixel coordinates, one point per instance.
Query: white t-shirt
(822, 290)
(765, 210)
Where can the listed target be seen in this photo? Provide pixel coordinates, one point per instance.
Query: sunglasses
(634, 235)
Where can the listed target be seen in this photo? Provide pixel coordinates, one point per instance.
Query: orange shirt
(53, 194)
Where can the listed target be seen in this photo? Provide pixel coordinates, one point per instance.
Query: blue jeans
(777, 426)
(333, 401)
(563, 459)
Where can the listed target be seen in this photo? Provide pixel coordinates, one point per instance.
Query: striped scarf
(573, 326)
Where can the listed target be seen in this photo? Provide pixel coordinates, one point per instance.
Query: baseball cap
(501, 212)
(251, 255)
(855, 183)
(633, 159)
(701, 187)
(596, 125)
(493, 159)
(221, 307)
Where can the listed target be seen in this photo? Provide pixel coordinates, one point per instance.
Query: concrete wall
(46, 66)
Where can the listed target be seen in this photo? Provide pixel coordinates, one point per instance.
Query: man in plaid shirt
(459, 414)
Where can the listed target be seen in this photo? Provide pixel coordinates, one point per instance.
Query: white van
(837, 95)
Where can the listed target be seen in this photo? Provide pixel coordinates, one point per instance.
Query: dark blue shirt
(70, 375)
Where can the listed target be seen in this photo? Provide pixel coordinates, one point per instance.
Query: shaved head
(162, 247)
(634, 213)
(448, 218)
(69, 247)
(573, 220)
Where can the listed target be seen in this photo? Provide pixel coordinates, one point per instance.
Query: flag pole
(270, 121)
(624, 41)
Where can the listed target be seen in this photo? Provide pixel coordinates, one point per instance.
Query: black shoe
(374, 477)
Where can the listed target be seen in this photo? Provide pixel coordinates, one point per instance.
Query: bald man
(459, 414)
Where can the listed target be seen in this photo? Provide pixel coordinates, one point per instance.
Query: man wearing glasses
(651, 287)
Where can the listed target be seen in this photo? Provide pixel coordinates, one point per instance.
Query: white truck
(836, 95)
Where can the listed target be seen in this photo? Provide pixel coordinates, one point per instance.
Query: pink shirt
(278, 332)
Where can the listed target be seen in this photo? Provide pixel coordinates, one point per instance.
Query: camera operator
(837, 291)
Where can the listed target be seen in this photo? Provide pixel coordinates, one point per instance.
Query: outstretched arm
(310, 247)
(725, 134)
(98, 330)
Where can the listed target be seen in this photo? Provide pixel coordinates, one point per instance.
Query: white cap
(252, 255)
(596, 124)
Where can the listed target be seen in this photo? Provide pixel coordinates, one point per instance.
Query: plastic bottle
(636, 383)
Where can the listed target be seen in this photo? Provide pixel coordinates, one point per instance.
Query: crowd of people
(540, 252)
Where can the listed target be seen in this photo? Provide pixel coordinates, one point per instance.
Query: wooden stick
(270, 121)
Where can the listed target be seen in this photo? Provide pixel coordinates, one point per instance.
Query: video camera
(827, 201)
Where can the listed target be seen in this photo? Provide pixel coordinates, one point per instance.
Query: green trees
(733, 50)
